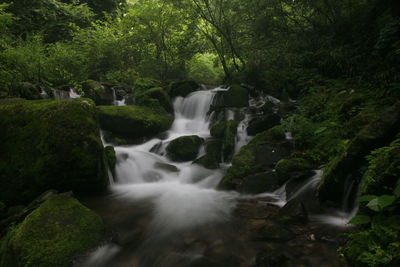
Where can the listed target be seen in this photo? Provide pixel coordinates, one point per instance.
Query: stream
(170, 214)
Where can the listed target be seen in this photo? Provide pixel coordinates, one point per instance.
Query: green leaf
(385, 201)
(366, 198)
(360, 219)
(374, 205)
(379, 203)
(396, 191)
(320, 130)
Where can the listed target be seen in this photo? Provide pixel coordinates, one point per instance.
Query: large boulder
(235, 97)
(293, 168)
(260, 124)
(226, 131)
(260, 155)
(184, 148)
(182, 88)
(101, 95)
(348, 167)
(52, 234)
(49, 144)
(213, 155)
(259, 183)
(133, 121)
(155, 96)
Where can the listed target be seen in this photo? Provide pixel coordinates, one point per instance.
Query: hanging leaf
(385, 201)
(366, 198)
(374, 205)
(320, 130)
(396, 191)
(360, 219)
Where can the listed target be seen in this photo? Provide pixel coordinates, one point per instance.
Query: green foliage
(205, 68)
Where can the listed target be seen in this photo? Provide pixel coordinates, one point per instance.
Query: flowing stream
(170, 214)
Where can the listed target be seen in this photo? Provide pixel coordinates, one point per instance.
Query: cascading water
(185, 216)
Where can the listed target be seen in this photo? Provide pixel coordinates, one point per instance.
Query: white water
(183, 194)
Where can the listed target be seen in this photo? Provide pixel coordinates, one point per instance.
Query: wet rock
(260, 124)
(271, 259)
(184, 148)
(260, 183)
(52, 234)
(50, 144)
(294, 210)
(226, 131)
(155, 96)
(100, 94)
(275, 233)
(133, 121)
(213, 154)
(110, 157)
(293, 168)
(347, 167)
(166, 167)
(260, 155)
(182, 88)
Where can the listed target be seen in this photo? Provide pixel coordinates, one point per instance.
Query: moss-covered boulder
(52, 234)
(226, 131)
(110, 157)
(348, 166)
(101, 95)
(143, 84)
(157, 93)
(182, 88)
(259, 183)
(49, 144)
(236, 96)
(184, 148)
(133, 121)
(293, 167)
(259, 155)
(213, 154)
(260, 124)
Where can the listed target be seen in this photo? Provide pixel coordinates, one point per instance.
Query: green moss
(143, 84)
(346, 166)
(110, 156)
(98, 93)
(247, 160)
(49, 144)
(264, 123)
(229, 138)
(184, 148)
(52, 234)
(133, 121)
(286, 166)
(218, 130)
(236, 96)
(213, 155)
(156, 93)
(182, 88)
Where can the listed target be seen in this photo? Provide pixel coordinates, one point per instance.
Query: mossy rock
(101, 95)
(184, 148)
(53, 234)
(156, 93)
(259, 155)
(236, 96)
(133, 121)
(348, 166)
(29, 91)
(213, 154)
(286, 167)
(110, 157)
(260, 183)
(226, 131)
(182, 88)
(143, 84)
(260, 124)
(50, 144)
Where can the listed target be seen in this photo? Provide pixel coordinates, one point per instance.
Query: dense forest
(295, 94)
